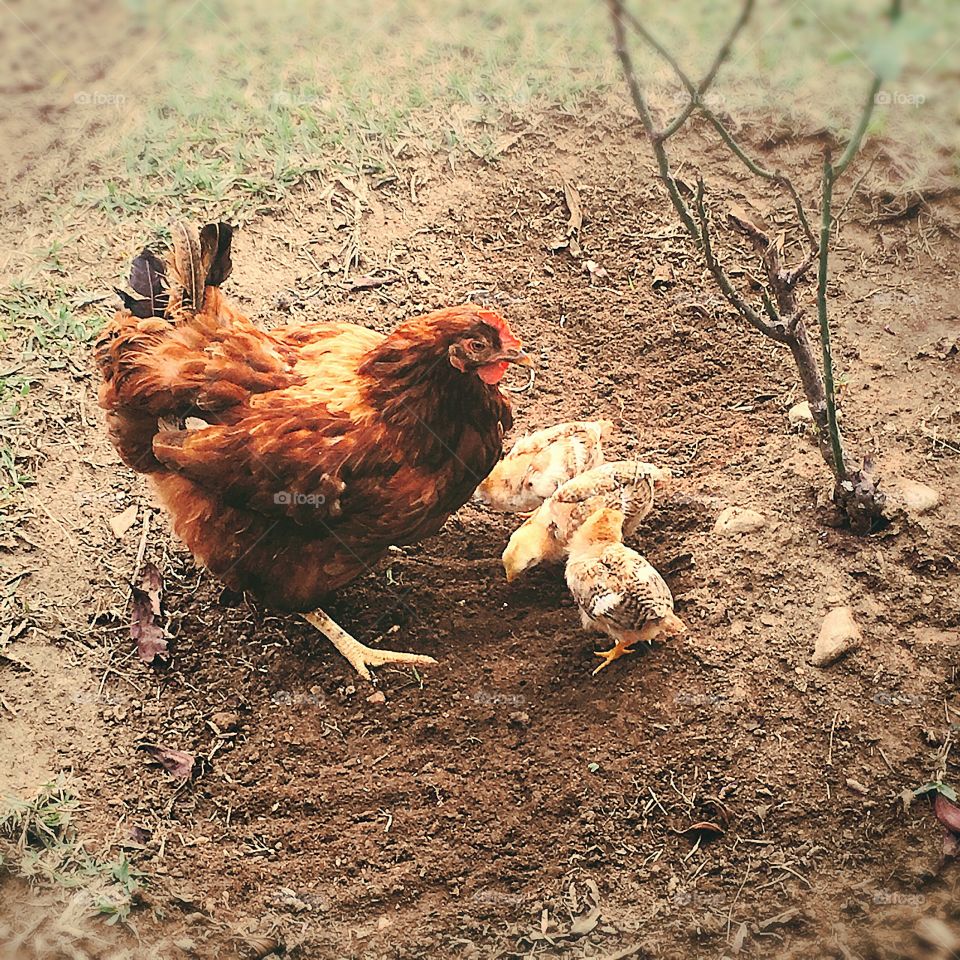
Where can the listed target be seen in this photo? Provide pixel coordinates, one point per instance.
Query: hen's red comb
(507, 339)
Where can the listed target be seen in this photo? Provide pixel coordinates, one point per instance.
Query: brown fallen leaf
(372, 282)
(707, 829)
(745, 219)
(947, 813)
(585, 924)
(122, 522)
(572, 198)
(176, 762)
(140, 835)
(145, 616)
(662, 275)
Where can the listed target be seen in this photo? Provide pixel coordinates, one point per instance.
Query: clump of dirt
(715, 794)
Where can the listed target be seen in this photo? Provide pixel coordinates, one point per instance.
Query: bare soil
(507, 803)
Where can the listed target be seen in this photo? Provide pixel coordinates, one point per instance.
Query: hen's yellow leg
(621, 649)
(359, 655)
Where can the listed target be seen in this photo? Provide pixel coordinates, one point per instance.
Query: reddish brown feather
(326, 444)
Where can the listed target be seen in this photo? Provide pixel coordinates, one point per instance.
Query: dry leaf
(662, 275)
(745, 219)
(585, 924)
(372, 282)
(177, 763)
(947, 813)
(146, 626)
(122, 522)
(572, 197)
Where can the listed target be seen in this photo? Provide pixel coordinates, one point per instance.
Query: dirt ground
(506, 803)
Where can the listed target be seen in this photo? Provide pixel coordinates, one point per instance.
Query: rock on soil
(913, 496)
(739, 520)
(839, 634)
(799, 415)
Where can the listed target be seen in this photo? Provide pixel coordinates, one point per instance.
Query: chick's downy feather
(624, 485)
(617, 590)
(540, 462)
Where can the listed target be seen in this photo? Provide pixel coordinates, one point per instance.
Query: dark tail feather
(148, 277)
(215, 259)
(194, 268)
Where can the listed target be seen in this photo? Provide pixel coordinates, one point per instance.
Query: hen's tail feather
(186, 267)
(148, 277)
(215, 239)
(208, 365)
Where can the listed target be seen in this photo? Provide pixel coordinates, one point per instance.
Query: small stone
(378, 696)
(913, 496)
(839, 634)
(799, 415)
(519, 719)
(734, 520)
(225, 721)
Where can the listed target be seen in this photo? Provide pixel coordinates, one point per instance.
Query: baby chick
(617, 590)
(625, 485)
(540, 462)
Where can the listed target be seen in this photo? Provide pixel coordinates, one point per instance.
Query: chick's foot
(608, 656)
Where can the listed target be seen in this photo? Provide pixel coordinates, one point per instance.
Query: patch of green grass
(39, 842)
(44, 320)
(254, 97)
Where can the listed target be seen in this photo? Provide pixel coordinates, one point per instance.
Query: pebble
(799, 415)
(913, 496)
(225, 721)
(378, 696)
(734, 520)
(839, 634)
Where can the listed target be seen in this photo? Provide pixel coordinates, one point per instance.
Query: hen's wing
(206, 367)
(287, 453)
(213, 362)
(281, 461)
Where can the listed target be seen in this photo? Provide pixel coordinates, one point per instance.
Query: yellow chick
(540, 462)
(625, 485)
(618, 592)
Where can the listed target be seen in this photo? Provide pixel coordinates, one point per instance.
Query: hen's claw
(359, 655)
(615, 653)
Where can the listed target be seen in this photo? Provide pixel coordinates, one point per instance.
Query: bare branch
(801, 215)
(854, 145)
(825, 223)
(636, 94)
(710, 75)
(777, 332)
(697, 103)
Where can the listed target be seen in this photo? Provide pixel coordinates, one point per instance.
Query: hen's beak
(520, 357)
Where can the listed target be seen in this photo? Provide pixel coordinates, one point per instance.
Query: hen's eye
(476, 346)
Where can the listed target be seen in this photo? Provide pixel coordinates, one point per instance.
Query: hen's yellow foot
(608, 656)
(357, 654)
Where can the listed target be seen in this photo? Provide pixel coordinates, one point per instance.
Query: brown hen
(291, 460)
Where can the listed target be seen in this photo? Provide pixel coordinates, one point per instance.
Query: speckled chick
(540, 462)
(625, 485)
(618, 592)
